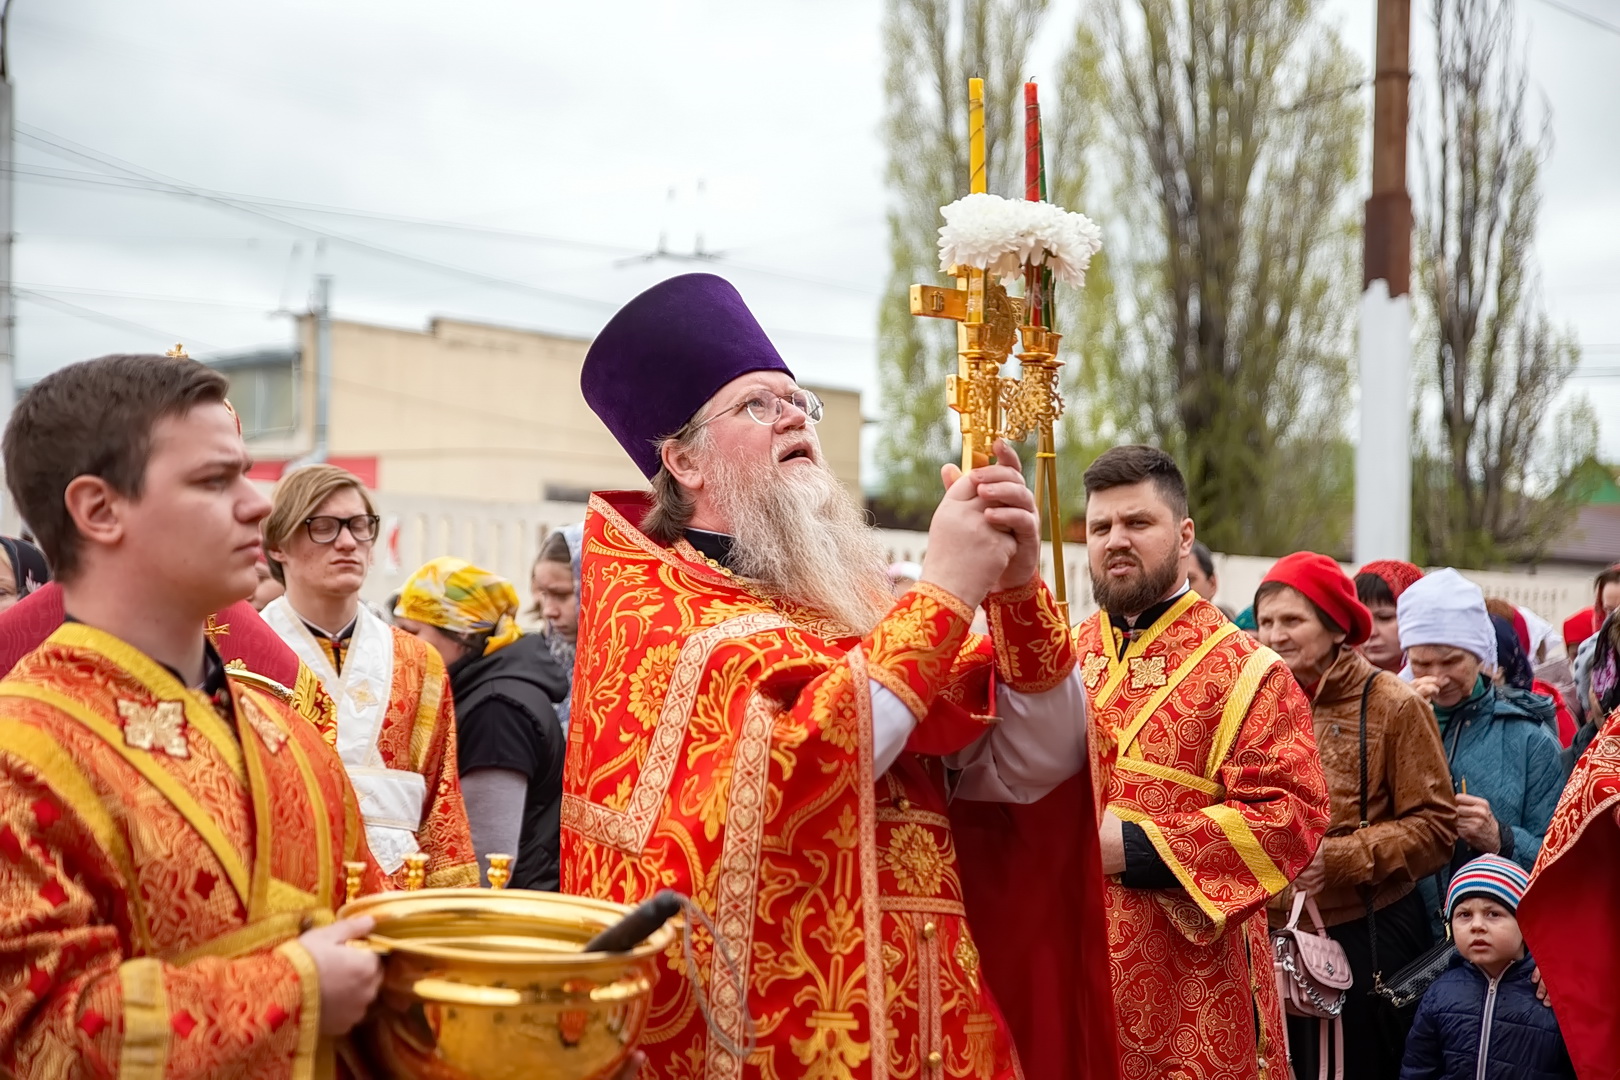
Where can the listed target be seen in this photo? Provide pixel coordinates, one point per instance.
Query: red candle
(1032, 144)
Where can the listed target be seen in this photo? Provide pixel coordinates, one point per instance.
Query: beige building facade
(460, 410)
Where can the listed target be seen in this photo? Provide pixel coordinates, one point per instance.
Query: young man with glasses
(395, 725)
(758, 722)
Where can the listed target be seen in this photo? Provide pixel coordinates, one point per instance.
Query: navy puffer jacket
(1460, 1012)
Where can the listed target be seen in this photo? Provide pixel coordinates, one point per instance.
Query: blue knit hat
(1490, 876)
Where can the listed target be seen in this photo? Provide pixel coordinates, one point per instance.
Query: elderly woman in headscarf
(22, 570)
(554, 585)
(506, 687)
(1499, 742)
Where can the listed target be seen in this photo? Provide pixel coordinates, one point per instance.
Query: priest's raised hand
(983, 536)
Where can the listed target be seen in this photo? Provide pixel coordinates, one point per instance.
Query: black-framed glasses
(325, 529)
(764, 407)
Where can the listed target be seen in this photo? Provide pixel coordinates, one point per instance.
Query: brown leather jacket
(1411, 810)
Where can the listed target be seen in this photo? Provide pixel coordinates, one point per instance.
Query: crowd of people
(937, 831)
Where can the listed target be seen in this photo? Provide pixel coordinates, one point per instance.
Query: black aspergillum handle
(639, 925)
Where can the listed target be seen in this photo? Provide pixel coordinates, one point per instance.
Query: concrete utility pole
(1383, 455)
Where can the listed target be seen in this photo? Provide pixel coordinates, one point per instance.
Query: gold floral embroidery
(160, 728)
(650, 682)
(1093, 668)
(914, 859)
(967, 958)
(272, 736)
(1147, 673)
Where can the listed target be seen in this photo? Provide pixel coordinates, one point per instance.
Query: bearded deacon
(1214, 796)
(759, 723)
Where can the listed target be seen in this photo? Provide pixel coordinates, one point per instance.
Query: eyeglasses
(324, 530)
(764, 407)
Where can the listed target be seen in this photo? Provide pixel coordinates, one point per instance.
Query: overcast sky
(560, 132)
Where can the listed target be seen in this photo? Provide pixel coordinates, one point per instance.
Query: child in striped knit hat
(1481, 1020)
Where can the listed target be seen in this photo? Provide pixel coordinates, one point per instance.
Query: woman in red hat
(1367, 868)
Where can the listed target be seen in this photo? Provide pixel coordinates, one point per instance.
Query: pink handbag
(1313, 978)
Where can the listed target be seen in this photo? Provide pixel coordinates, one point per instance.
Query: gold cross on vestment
(160, 728)
(215, 630)
(1147, 672)
(179, 351)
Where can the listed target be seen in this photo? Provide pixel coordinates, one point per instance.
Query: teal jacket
(1502, 742)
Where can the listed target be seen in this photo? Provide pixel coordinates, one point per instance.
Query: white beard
(799, 534)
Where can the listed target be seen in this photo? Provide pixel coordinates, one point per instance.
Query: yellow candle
(976, 175)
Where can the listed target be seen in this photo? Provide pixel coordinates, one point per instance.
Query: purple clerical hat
(666, 353)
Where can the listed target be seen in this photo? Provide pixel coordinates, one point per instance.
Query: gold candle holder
(500, 870)
(352, 873)
(415, 871)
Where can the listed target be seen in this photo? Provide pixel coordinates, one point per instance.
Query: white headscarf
(1445, 608)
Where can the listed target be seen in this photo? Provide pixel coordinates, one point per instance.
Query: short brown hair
(94, 418)
(298, 495)
(1126, 465)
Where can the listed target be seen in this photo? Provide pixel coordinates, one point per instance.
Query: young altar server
(395, 727)
(172, 837)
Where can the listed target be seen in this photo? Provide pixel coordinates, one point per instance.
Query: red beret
(1324, 584)
(1398, 575)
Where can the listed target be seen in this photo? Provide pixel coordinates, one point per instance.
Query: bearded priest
(1213, 792)
(759, 723)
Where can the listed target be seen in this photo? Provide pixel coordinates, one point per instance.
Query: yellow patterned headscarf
(457, 596)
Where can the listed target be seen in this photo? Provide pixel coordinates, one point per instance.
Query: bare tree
(1496, 478)
(1230, 131)
(933, 47)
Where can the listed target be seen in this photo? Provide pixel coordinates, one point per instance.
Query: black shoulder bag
(1408, 984)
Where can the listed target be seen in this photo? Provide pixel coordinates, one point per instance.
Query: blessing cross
(986, 329)
(179, 350)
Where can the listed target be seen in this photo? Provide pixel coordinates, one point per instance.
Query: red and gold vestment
(1568, 915)
(155, 867)
(394, 726)
(1214, 757)
(721, 745)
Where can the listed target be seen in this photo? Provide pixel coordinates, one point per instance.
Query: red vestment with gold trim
(155, 866)
(721, 745)
(1215, 758)
(1568, 915)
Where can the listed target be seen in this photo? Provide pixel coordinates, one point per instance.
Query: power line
(180, 187)
(156, 298)
(135, 183)
(1582, 15)
(170, 185)
(92, 315)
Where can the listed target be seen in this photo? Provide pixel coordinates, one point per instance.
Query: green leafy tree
(1499, 463)
(1221, 327)
(932, 48)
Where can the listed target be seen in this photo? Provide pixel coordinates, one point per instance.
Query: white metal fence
(506, 538)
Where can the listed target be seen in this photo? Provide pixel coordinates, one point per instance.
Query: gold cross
(362, 695)
(1092, 669)
(179, 351)
(215, 630)
(1147, 673)
(160, 728)
(987, 326)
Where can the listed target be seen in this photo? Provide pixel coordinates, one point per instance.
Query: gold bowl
(481, 984)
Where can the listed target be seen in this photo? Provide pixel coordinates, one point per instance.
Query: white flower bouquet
(1003, 236)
